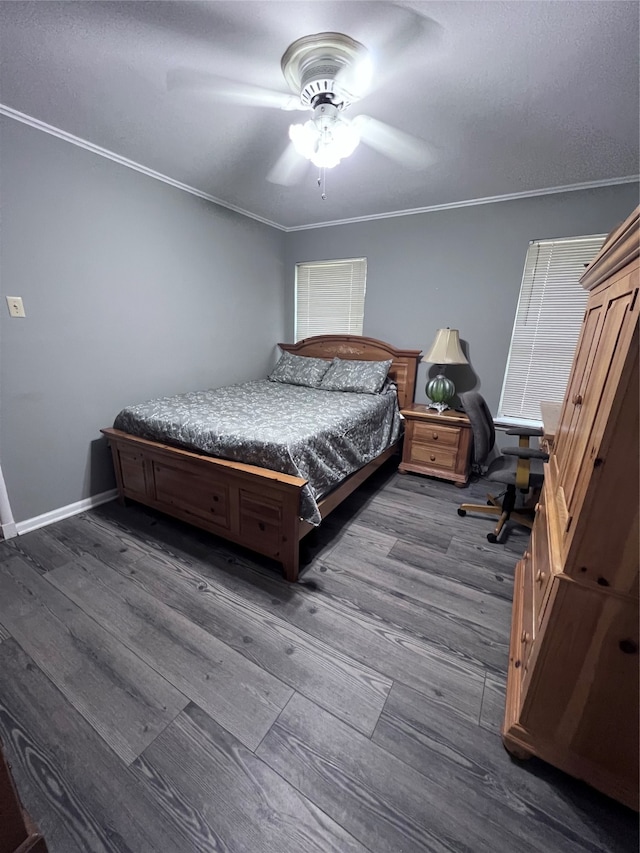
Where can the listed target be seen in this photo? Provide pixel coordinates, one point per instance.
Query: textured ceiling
(512, 97)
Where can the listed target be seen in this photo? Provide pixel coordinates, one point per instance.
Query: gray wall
(460, 268)
(132, 289)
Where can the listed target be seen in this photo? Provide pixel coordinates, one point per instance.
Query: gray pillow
(299, 370)
(363, 377)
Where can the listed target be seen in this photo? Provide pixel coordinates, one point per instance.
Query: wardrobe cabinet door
(613, 323)
(570, 418)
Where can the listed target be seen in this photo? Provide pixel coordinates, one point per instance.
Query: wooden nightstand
(437, 445)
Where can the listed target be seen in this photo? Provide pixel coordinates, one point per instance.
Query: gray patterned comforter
(322, 436)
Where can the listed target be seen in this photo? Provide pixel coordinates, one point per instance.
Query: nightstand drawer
(437, 437)
(433, 457)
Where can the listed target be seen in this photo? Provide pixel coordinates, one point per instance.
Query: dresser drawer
(541, 562)
(436, 437)
(529, 626)
(522, 631)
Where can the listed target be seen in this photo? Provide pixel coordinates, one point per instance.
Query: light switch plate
(16, 308)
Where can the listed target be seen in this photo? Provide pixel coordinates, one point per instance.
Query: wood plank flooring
(162, 690)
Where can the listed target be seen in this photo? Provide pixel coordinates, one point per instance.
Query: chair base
(503, 511)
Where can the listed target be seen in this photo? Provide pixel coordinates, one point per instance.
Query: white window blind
(548, 319)
(330, 297)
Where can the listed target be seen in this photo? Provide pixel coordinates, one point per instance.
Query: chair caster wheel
(491, 537)
(462, 512)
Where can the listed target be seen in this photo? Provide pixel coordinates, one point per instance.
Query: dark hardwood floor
(161, 690)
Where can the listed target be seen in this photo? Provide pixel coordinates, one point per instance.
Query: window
(330, 297)
(545, 333)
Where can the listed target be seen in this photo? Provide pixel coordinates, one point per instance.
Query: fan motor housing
(312, 64)
(323, 91)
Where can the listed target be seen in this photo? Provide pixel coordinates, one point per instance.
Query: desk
(550, 418)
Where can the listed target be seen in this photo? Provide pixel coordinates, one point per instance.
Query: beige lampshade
(446, 348)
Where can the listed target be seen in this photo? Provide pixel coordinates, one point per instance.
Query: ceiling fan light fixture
(326, 139)
(304, 138)
(342, 141)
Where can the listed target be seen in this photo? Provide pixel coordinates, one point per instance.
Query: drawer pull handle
(261, 525)
(526, 636)
(432, 458)
(435, 436)
(541, 576)
(629, 647)
(577, 400)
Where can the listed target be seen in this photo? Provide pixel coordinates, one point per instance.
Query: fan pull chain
(322, 183)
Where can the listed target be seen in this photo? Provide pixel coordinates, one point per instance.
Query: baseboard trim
(62, 512)
(9, 530)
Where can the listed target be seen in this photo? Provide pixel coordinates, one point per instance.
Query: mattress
(321, 436)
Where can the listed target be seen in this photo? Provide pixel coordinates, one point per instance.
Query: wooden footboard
(252, 506)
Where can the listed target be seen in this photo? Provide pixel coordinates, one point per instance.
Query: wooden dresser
(572, 688)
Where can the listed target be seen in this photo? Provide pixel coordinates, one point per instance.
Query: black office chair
(518, 468)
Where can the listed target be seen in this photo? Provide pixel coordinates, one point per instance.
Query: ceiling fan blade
(229, 91)
(405, 149)
(356, 79)
(412, 39)
(289, 169)
(412, 29)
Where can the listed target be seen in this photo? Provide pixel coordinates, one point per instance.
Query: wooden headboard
(404, 366)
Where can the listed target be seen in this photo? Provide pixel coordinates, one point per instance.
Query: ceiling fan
(326, 72)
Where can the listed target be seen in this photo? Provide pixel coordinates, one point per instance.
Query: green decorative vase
(440, 390)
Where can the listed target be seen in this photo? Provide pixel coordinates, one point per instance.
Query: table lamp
(444, 350)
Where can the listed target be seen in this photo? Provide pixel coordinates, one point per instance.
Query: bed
(266, 510)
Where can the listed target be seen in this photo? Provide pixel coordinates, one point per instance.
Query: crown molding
(473, 202)
(130, 164)
(138, 167)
